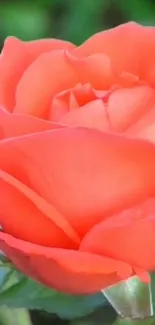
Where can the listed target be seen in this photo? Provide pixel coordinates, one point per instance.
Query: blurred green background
(73, 20)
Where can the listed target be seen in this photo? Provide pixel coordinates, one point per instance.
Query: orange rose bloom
(77, 158)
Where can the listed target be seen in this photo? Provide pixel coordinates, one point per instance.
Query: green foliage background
(73, 20)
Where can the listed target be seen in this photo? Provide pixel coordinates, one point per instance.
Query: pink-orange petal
(18, 191)
(128, 236)
(86, 174)
(126, 106)
(95, 69)
(38, 47)
(145, 126)
(13, 62)
(15, 58)
(65, 270)
(119, 44)
(55, 72)
(72, 99)
(130, 47)
(48, 75)
(12, 125)
(92, 115)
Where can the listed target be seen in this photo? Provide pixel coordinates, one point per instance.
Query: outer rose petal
(48, 75)
(20, 217)
(65, 270)
(12, 125)
(131, 47)
(86, 174)
(118, 43)
(37, 47)
(54, 72)
(15, 58)
(29, 201)
(11, 69)
(128, 236)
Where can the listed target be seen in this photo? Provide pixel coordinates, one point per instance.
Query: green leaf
(129, 321)
(14, 316)
(17, 291)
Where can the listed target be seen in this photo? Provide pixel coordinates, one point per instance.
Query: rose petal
(21, 218)
(13, 61)
(92, 115)
(49, 74)
(130, 47)
(54, 72)
(119, 44)
(15, 58)
(127, 106)
(128, 237)
(12, 125)
(19, 192)
(62, 103)
(86, 174)
(95, 69)
(147, 133)
(72, 99)
(145, 126)
(65, 270)
(37, 47)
